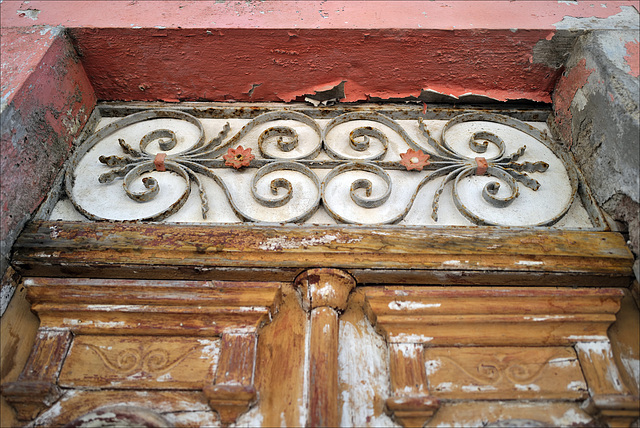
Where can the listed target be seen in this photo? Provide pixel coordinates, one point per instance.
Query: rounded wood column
(324, 294)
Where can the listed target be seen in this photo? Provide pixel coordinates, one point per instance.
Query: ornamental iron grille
(364, 165)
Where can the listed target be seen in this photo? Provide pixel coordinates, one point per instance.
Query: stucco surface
(48, 101)
(285, 50)
(448, 15)
(600, 122)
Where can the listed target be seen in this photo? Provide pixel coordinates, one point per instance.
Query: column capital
(325, 287)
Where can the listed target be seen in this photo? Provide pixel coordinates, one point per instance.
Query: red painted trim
(278, 65)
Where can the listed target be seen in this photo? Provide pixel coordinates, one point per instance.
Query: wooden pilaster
(36, 388)
(325, 293)
(410, 402)
(611, 400)
(233, 392)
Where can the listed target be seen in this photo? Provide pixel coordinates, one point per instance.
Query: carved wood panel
(505, 373)
(141, 362)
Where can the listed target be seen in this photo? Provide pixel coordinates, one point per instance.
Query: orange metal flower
(414, 159)
(238, 157)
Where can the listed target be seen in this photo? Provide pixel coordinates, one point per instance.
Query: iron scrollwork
(282, 150)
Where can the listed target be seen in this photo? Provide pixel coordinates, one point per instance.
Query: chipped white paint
(411, 306)
(324, 290)
(165, 378)
(326, 329)
(99, 324)
(444, 387)
(411, 338)
(577, 385)
(482, 413)
(123, 308)
(239, 330)
(547, 317)
(210, 350)
(529, 263)
(408, 350)
(632, 366)
(528, 387)
(589, 339)
(451, 262)
(562, 362)
(571, 418)
(251, 418)
(432, 366)
(193, 419)
(363, 375)
(478, 388)
(54, 411)
(250, 309)
(283, 243)
(602, 350)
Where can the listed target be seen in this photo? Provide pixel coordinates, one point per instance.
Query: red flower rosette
(413, 159)
(238, 157)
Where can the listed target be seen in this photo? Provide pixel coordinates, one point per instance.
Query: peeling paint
(478, 388)
(633, 58)
(563, 97)
(626, 18)
(577, 385)
(571, 417)
(363, 375)
(411, 338)
(528, 387)
(529, 263)
(432, 366)
(29, 13)
(284, 243)
(411, 306)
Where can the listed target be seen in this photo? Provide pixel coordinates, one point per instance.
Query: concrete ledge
(47, 98)
(596, 107)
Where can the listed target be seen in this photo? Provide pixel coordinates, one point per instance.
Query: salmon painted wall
(285, 50)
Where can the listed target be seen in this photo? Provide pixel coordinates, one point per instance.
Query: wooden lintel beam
(465, 256)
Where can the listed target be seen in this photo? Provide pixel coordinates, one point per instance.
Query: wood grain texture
(36, 387)
(600, 371)
(233, 391)
(551, 413)
(532, 373)
(237, 358)
(323, 368)
(465, 316)
(95, 306)
(324, 292)
(181, 408)
(18, 330)
(410, 403)
(280, 364)
(406, 364)
(184, 251)
(140, 362)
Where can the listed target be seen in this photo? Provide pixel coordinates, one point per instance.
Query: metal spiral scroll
(281, 148)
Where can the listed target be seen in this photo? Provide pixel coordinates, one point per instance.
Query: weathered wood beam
(464, 256)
